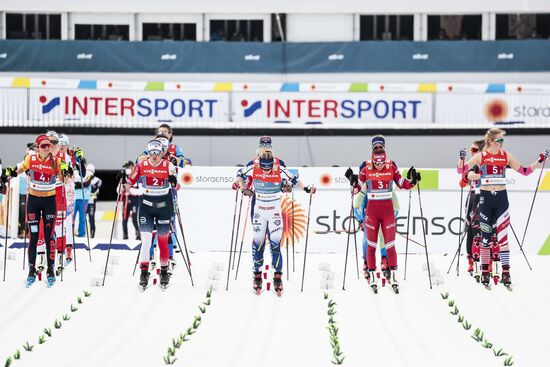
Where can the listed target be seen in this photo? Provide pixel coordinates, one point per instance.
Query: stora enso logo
(47, 107)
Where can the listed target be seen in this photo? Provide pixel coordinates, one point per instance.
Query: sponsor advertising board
(531, 110)
(126, 108)
(332, 108)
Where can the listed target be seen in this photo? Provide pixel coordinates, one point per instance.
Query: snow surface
(119, 326)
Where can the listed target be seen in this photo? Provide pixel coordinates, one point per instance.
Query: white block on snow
(11, 255)
(96, 282)
(214, 285)
(114, 260)
(324, 266)
(327, 275)
(214, 275)
(218, 266)
(425, 266)
(110, 270)
(327, 284)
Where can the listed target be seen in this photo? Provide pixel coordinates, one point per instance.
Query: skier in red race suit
(493, 201)
(378, 176)
(157, 176)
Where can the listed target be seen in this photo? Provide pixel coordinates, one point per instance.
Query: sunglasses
(378, 146)
(45, 146)
(499, 140)
(155, 152)
(54, 142)
(265, 146)
(474, 149)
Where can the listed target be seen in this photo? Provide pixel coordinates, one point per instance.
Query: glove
(544, 155)
(173, 181)
(247, 192)
(79, 153)
(174, 161)
(411, 173)
(310, 189)
(286, 186)
(416, 178)
(349, 173)
(10, 172)
(354, 181)
(462, 153)
(235, 186)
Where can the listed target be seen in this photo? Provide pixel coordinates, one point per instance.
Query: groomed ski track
(119, 326)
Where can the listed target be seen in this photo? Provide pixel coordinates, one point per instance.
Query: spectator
(94, 193)
(82, 195)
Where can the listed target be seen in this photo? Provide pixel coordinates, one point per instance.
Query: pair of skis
(388, 277)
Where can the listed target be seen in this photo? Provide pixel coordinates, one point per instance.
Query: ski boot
(144, 279)
(470, 265)
(373, 282)
(41, 263)
(172, 266)
(50, 277)
(164, 277)
(506, 279)
(257, 285)
(278, 283)
(365, 271)
(385, 271)
(68, 255)
(60, 266)
(32, 276)
(392, 280)
(486, 279)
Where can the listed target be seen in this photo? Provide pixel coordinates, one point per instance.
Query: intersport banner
(207, 205)
(126, 108)
(531, 110)
(332, 108)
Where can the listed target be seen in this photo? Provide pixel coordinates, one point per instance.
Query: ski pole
(112, 231)
(85, 216)
(187, 265)
(407, 238)
(520, 247)
(532, 204)
(293, 237)
(26, 230)
(232, 234)
(7, 226)
(424, 233)
(347, 244)
(307, 237)
(137, 259)
(188, 261)
(462, 236)
(354, 237)
(237, 234)
(242, 241)
(460, 221)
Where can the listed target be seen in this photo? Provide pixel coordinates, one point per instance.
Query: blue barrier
(251, 57)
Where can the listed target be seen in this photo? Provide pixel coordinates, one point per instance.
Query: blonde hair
(491, 134)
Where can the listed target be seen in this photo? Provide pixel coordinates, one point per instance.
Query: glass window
(105, 32)
(386, 27)
(244, 30)
(276, 35)
(454, 27)
(523, 26)
(169, 31)
(33, 26)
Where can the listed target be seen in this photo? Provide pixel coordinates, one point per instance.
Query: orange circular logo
(496, 110)
(325, 179)
(187, 178)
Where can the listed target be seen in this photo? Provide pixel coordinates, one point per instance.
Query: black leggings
(41, 208)
(131, 209)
